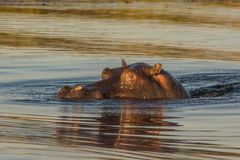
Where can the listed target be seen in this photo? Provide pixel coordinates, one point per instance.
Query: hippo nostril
(78, 88)
(65, 89)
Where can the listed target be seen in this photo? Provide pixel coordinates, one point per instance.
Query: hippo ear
(124, 64)
(106, 73)
(156, 69)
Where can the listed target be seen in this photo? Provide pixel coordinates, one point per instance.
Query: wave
(133, 129)
(102, 46)
(204, 88)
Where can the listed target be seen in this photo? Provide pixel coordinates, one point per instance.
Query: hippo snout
(79, 92)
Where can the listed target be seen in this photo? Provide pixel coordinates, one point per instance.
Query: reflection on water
(47, 44)
(34, 121)
(97, 46)
(159, 28)
(125, 129)
(117, 128)
(132, 14)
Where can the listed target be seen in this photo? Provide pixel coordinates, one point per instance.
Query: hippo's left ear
(124, 64)
(156, 69)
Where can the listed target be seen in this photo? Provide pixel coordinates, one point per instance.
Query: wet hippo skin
(137, 81)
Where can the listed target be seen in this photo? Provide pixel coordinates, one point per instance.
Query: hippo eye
(129, 76)
(107, 73)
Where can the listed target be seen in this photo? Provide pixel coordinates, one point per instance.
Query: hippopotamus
(134, 81)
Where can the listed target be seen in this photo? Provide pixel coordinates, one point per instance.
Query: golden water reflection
(133, 128)
(107, 47)
(129, 129)
(188, 16)
(179, 29)
(126, 130)
(58, 34)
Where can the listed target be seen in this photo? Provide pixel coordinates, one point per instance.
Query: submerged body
(138, 81)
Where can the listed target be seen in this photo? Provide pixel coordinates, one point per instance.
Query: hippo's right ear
(156, 69)
(124, 64)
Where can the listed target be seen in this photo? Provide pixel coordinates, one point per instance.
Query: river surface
(47, 44)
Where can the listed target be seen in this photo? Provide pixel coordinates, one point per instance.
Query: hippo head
(137, 81)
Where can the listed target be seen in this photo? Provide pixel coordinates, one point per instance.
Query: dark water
(45, 45)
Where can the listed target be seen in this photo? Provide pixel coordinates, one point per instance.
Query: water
(45, 45)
